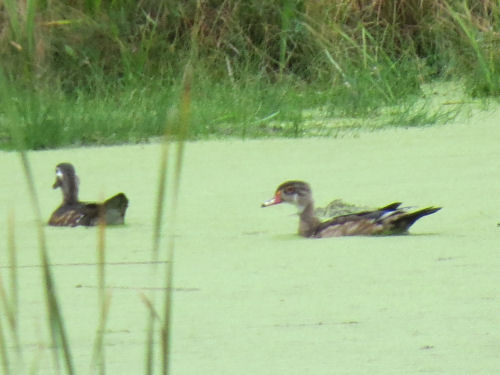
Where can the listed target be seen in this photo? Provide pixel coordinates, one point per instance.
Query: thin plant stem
(4, 299)
(14, 287)
(56, 322)
(104, 299)
(4, 355)
(160, 201)
(11, 245)
(183, 128)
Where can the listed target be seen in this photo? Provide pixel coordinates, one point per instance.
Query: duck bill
(57, 184)
(275, 200)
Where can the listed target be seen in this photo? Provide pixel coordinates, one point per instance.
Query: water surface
(252, 297)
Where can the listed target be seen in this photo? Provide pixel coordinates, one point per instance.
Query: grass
(104, 298)
(486, 63)
(95, 73)
(250, 110)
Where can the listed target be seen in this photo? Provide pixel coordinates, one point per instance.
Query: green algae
(250, 296)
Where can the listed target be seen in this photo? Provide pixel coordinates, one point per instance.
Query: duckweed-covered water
(251, 297)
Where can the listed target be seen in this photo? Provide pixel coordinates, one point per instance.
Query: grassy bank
(136, 113)
(108, 72)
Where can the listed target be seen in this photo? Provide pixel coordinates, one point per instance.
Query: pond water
(252, 297)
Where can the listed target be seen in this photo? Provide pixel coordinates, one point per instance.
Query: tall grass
(181, 135)
(89, 42)
(104, 300)
(55, 318)
(175, 130)
(219, 109)
(9, 303)
(4, 354)
(483, 46)
(96, 72)
(56, 322)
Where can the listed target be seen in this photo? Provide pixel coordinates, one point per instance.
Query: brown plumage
(72, 212)
(387, 220)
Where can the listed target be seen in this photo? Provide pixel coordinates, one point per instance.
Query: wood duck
(387, 220)
(72, 212)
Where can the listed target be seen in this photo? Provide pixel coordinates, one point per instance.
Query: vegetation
(100, 72)
(95, 71)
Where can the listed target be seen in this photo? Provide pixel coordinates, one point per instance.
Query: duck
(72, 212)
(386, 220)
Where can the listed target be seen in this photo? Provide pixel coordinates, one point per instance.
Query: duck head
(67, 180)
(297, 193)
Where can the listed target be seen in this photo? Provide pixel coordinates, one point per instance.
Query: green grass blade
(56, 322)
(4, 299)
(104, 299)
(487, 74)
(182, 131)
(157, 227)
(4, 355)
(14, 287)
(98, 357)
(286, 16)
(11, 246)
(13, 17)
(30, 26)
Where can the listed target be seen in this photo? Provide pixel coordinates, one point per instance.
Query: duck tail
(117, 202)
(404, 222)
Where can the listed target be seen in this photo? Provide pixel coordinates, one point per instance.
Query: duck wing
(69, 215)
(386, 220)
(362, 223)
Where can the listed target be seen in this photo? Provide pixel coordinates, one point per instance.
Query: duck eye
(289, 190)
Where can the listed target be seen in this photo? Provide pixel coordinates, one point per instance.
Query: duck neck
(308, 221)
(70, 192)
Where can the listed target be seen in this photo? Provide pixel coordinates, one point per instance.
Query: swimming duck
(72, 212)
(387, 220)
